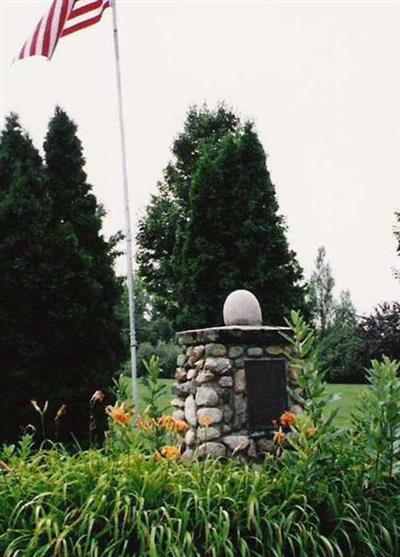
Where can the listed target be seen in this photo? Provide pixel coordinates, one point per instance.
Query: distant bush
(167, 353)
(380, 333)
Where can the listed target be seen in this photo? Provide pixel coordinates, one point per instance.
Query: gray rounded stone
(236, 442)
(240, 381)
(275, 350)
(187, 454)
(215, 414)
(198, 351)
(206, 396)
(228, 413)
(208, 433)
(181, 359)
(178, 415)
(178, 403)
(211, 448)
(226, 381)
(190, 438)
(205, 376)
(223, 365)
(191, 411)
(242, 308)
(185, 389)
(210, 364)
(235, 351)
(255, 352)
(215, 350)
(181, 375)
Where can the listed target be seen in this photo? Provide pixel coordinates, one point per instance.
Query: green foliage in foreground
(94, 504)
(326, 492)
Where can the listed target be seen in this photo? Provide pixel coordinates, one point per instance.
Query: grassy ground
(346, 404)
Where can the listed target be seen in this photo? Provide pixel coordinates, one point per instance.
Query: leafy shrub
(380, 333)
(167, 353)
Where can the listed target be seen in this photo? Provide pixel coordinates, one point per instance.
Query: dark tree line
(60, 337)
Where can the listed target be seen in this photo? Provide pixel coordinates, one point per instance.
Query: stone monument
(233, 382)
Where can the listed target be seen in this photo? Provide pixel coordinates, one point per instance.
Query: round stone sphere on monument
(241, 307)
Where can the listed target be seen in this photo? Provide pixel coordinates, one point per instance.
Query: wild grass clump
(94, 504)
(325, 491)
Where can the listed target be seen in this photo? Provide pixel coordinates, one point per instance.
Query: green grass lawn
(346, 404)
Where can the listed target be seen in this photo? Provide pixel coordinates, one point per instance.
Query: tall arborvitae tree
(61, 338)
(165, 261)
(24, 269)
(236, 237)
(88, 347)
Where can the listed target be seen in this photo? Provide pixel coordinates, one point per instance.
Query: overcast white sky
(320, 79)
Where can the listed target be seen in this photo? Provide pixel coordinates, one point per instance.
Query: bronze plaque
(267, 394)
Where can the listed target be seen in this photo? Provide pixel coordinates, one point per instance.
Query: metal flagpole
(132, 334)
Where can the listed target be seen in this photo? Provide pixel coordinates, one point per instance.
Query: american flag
(63, 18)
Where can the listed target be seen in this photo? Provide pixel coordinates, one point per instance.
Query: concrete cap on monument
(242, 308)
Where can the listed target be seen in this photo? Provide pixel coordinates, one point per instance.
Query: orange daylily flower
(181, 426)
(288, 419)
(167, 421)
(311, 431)
(279, 436)
(171, 453)
(170, 423)
(147, 424)
(119, 415)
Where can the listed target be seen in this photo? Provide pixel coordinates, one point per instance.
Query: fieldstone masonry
(210, 392)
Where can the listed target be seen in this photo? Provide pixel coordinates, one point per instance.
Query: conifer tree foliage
(235, 236)
(163, 229)
(214, 226)
(23, 258)
(67, 339)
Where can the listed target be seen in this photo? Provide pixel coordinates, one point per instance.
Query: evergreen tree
(235, 236)
(23, 270)
(321, 300)
(163, 230)
(61, 338)
(89, 347)
(166, 261)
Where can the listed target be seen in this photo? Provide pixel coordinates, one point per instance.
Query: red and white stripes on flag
(63, 18)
